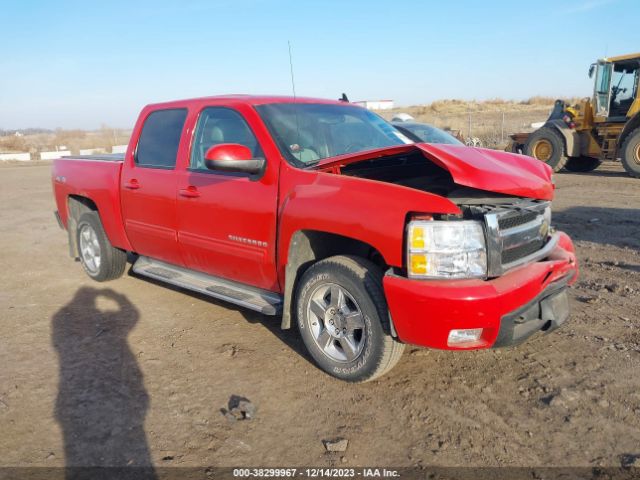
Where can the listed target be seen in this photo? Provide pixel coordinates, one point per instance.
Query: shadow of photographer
(102, 401)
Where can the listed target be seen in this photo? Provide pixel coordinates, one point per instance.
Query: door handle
(189, 192)
(132, 184)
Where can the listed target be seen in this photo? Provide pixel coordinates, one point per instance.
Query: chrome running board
(263, 301)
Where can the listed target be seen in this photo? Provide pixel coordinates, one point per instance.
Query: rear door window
(160, 138)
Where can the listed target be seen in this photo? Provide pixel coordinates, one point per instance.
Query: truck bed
(96, 177)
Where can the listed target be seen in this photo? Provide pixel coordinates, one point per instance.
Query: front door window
(603, 89)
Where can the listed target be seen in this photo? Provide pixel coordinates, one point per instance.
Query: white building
(376, 104)
(23, 157)
(119, 149)
(53, 155)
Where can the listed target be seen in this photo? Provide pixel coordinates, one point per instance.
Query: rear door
(227, 221)
(149, 187)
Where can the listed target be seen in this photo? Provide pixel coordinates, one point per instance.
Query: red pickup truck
(323, 213)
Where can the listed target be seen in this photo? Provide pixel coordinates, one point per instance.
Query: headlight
(446, 249)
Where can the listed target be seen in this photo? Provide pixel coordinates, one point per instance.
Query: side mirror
(592, 69)
(232, 157)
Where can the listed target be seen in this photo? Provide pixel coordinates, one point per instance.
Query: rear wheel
(100, 260)
(631, 153)
(546, 145)
(582, 164)
(343, 319)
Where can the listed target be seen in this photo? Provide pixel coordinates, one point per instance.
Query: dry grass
(12, 144)
(73, 140)
(490, 120)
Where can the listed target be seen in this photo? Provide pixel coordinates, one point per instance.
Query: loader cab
(615, 88)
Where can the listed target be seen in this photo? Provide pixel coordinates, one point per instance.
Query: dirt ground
(132, 372)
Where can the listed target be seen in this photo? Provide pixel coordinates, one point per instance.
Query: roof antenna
(344, 98)
(295, 149)
(293, 83)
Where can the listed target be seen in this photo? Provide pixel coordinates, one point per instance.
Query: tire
(582, 164)
(360, 348)
(100, 260)
(546, 145)
(631, 153)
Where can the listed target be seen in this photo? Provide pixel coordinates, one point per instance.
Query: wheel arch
(309, 246)
(76, 206)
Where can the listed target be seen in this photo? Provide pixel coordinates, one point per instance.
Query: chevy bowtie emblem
(544, 229)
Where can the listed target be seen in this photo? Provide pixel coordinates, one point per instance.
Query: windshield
(428, 134)
(309, 132)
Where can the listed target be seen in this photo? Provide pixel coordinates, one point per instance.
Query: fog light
(459, 337)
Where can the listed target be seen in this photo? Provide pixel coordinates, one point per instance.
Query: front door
(148, 186)
(602, 91)
(227, 221)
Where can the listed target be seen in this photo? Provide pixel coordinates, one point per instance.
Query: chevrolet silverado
(324, 214)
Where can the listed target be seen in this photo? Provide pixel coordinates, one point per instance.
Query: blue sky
(82, 64)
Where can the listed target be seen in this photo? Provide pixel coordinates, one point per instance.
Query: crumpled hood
(481, 168)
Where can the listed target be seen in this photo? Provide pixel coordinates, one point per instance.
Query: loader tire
(631, 153)
(582, 164)
(547, 145)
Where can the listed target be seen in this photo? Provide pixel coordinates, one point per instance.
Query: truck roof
(241, 99)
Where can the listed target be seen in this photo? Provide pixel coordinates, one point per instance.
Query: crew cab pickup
(323, 214)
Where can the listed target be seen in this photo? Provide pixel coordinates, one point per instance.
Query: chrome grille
(516, 235)
(516, 219)
(516, 253)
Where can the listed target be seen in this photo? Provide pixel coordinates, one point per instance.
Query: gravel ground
(135, 373)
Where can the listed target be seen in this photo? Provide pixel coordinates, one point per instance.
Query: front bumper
(509, 308)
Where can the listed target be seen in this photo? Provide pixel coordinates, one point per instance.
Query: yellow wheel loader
(606, 127)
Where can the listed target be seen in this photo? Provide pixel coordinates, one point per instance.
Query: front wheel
(631, 153)
(343, 319)
(100, 260)
(546, 145)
